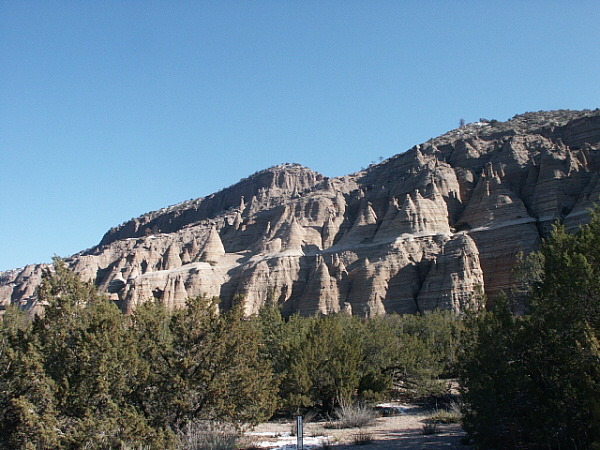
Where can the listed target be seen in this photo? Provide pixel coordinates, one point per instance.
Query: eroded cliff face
(422, 230)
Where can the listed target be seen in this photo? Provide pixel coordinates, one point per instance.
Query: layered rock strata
(422, 230)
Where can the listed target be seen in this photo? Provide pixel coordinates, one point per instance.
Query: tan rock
(419, 231)
(213, 247)
(454, 277)
(171, 258)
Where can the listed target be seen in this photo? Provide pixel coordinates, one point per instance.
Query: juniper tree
(201, 365)
(91, 357)
(27, 404)
(534, 380)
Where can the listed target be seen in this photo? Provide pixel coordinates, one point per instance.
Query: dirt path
(404, 431)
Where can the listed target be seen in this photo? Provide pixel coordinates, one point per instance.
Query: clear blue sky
(110, 109)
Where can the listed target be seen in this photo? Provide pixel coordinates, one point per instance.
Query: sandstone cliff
(421, 230)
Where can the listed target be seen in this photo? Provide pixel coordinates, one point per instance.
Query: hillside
(419, 231)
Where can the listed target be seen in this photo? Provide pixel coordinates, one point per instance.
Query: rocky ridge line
(421, 230)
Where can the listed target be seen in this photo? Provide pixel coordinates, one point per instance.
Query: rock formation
(421, 230)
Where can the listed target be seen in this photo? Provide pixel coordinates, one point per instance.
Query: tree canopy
(83, 375)
(535, 380)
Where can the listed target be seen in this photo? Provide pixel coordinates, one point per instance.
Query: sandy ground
(404, 430)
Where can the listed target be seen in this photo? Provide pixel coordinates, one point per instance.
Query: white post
(300, 433)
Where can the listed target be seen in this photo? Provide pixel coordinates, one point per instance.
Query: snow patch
(285, 441)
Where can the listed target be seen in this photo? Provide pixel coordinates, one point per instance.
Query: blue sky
(110, 109)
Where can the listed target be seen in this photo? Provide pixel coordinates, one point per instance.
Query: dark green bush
(532, 381)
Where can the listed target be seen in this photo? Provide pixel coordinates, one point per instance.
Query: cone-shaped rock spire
(213, 247)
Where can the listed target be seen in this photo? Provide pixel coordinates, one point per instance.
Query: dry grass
(326, 445)
(208, 435)
(307, 417)
(362, 438)
(354, 416)
(451, 414)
